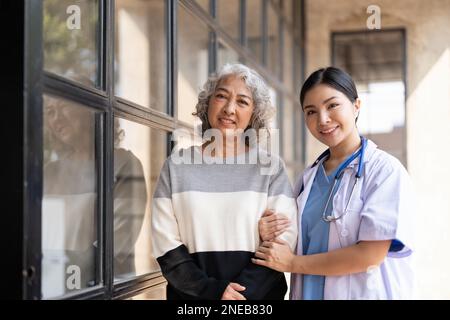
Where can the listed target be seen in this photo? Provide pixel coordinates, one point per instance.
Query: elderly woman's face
(67, 122)
(231, 105)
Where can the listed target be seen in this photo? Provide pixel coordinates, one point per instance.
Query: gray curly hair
(263, 112)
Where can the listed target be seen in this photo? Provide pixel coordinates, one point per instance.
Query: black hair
(333, 77)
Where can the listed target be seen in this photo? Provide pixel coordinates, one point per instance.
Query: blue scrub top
(315, 231)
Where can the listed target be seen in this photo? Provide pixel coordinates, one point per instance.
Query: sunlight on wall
(428, 122)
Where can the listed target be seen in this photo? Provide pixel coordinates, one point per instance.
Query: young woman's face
(329, 114)
(231, 105)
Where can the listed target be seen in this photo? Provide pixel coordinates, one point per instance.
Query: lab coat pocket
(348, 226)
(353, 217)
(355, 205)
(367, 285)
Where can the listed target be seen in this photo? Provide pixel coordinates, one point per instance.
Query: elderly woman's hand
(272, 224)
(232, 292)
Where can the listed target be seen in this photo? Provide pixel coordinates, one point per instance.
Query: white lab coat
(381, 209)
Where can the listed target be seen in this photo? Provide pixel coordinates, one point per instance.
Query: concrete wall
(427, 25)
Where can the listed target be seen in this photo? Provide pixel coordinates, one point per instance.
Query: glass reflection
(273, 41)
(204, 4)
(71, 39)
(288, 60)
(69, 224)
(70, 245)
(140, 52)
(226, 54)
(288, 130)
(138, 157)
(228, 13)
(288, 10)
(193, 40)
(254, 27)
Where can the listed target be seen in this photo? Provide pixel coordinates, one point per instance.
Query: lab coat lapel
(306, 181)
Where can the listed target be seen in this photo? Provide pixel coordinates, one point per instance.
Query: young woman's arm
(353, 259)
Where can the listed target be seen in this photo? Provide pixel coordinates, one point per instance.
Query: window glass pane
(228, 16)
(140, 52)
(226, 55)
(298, 125)
(71, 39)
(273, 42)
(204, 4)
(274, 100)
(275, 3)
(288, 61)
(254, 27)
(288, 10)
(69, 218)
(288, 130)
(192, 63)
(138, 157)
(298, 74)
(298, 69)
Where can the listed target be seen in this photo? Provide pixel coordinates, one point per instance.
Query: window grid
(109, 106)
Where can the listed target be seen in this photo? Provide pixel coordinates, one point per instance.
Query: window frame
(102, 99)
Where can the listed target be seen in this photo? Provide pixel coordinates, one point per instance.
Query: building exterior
(412, 47)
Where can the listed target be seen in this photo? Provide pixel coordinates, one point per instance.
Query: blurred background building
(107, 82)
(403, 76)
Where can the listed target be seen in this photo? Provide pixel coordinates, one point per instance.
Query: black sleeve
(184, 275)
(259, 281)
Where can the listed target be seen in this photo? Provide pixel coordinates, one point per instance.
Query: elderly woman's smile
(231, 106)
(227, 121)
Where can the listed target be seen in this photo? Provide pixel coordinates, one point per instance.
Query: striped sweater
(205, 227)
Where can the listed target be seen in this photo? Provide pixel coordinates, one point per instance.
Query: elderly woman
(205, 215)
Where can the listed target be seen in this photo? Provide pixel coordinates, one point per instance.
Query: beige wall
(427, 25)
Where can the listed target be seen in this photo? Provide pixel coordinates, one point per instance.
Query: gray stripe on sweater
(176, 178)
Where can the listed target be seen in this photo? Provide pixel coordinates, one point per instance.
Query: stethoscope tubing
(340, 172)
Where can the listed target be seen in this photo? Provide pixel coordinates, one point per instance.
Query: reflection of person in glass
(69, 213)
(204, 216)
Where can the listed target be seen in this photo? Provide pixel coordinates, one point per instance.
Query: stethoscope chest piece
(339, 174)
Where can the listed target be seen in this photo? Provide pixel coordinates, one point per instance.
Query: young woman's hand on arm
(353, 259)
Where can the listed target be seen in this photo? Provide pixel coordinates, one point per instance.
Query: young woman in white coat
(355, 207)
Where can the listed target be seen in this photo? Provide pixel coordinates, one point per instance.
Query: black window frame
(36, 82)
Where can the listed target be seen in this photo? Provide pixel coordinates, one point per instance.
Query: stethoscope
(340, 172)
